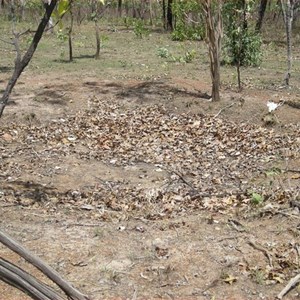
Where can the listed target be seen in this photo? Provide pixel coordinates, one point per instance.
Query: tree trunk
(120, 8)
(261, 14)
(150, 12)
(170, 15)
(287, 10)
(164, 14)
(213, 20)
(98, 40)
(21, 63)
(70, 35)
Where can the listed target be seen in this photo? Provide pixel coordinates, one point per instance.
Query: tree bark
(287, 10)
(213, 19)
(21, 64)
(170, 15)
(164, 14)
(261, 14)
(98, 40)
(70, 35)
(120, 8)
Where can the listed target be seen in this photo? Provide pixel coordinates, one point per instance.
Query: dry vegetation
(124, 176)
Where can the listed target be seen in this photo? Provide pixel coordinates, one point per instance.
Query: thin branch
(222, 109)
(7, 42)
(292, 283)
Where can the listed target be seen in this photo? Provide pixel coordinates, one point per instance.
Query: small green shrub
(257, 198)
(243, 48)
(188, 57)
(139, 29)
(163, 52)
(61, 35)
(241, 44)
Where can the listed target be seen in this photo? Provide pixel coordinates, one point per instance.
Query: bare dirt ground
(138, 189)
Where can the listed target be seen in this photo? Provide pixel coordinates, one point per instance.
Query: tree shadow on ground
(29, 190)
(52, 96)
(146, 90)
(67, 61)
(5, 69)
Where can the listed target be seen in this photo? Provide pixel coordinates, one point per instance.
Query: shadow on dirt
(144, 91)
(29, 190)
(5, 69)
(52, 96)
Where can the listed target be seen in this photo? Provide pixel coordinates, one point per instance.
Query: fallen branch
(70, 291)
(263, 250)
(292, 283)
(222, 109)
(14, 276)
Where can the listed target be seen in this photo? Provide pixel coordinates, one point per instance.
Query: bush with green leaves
(188, 56)
(241, 43)
(163, 52)
(139, 29)
(186, 27)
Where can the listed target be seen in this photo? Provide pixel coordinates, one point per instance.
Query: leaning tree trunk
(22, 62)
(213, 20)
(287, 10)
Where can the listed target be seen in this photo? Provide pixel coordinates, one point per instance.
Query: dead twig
(222, 109)
(262, 249)
(85, 225)
(292, 283)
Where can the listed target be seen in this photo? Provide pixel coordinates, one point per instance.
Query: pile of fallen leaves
(211, 162)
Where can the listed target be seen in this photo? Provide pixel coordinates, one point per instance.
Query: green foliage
(257, 198)
(185, 28)
(61, 35)
(128, 21)
(163, 52)
(139, 29)
(34, 4)
(188, 57)
(242, 45)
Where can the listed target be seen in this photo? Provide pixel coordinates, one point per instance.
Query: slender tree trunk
(287, 10)
(261, 14)
(98, 40)
(164, 14)
(21, 63)
(150, 12)
(170, 15)
(120, 8)
(70, 35)
(213, 19)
